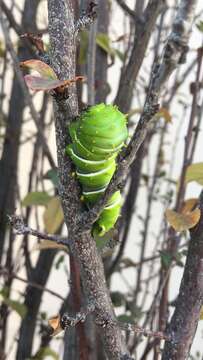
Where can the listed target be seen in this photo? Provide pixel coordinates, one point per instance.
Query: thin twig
(139, 330)
(22, 229)
(106, 321)
(6, 273)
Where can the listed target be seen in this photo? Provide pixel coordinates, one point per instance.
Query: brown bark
(185, 319)
(61, 30)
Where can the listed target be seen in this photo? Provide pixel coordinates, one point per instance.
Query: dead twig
(21, 229)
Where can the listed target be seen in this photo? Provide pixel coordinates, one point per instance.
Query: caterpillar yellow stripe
(97, 137)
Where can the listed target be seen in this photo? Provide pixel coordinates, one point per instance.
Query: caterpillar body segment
(109, 215)
(97, 137)
(97, 179)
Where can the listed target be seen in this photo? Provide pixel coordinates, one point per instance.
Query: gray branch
(143, 29)
(83, 246)
(68, 321)
(173, 55)
(126, 8)
(185, 319)
(21, 228)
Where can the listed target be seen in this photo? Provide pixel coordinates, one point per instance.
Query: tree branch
(142, 36)
(188, 305)
(126, 8)
(83, 246)
(139, 330)
(63, 49)
(69, 321)
(173, 55)
(22, 229)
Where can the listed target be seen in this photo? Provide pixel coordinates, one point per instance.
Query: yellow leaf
(55, 323)
(189, 205)
(194, 173)
(42, 68)
(48, 244)
(201, 314)
(53, 216)
(181, 222)
(163, 112)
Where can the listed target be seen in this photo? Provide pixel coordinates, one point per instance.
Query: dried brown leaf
(189, 205)
(163, 112)
(55, 324)
(182, 221)
(41, 67)
(37, 83)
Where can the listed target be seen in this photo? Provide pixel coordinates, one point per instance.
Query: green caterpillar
(97, 137)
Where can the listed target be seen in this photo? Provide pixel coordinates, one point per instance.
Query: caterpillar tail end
(109, 215)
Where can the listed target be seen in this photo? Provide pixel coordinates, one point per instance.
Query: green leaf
(52, 175)
(195, 173)
(104, 42)
(200, 26)
(120, 55)
(59, 261)
(36, 198)
(166, 259)
(117, 298)
(53, 215)
(43, 315)
(17, 306)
